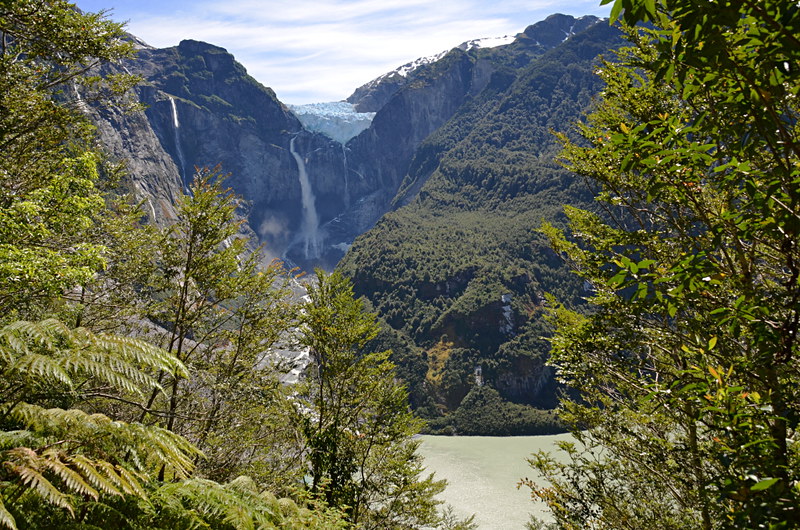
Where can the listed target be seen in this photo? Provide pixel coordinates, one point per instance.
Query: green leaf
(764, 484)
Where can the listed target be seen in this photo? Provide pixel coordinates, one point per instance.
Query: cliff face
(203, 110)
(206, 111)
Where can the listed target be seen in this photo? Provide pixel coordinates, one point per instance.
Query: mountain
(457, 269)
(436, 173)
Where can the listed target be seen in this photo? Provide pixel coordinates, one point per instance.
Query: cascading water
(81, 104)
(346, 190)
(310, 219)
(176, 126)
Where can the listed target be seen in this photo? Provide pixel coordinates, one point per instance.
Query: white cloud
(321, 50)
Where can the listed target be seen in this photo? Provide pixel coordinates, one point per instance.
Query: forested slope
(458, 267)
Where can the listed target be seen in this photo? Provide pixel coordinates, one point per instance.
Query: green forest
(140, 386)
(458, 271)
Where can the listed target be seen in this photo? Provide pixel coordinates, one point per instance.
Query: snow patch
(488, 42)
(406, 69)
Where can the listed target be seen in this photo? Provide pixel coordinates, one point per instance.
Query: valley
(426, 188)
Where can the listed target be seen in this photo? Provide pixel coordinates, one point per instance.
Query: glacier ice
(338, 120)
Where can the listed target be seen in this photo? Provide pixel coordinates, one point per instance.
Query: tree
(354, 418)
(49, 168)
(67, 458)
(220, 311)
(687, 366)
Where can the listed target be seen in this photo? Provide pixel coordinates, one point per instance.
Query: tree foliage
(48, 170)
(440, 264)
(687, 368)
(354, 418)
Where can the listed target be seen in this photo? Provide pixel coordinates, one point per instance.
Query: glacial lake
(482, 474)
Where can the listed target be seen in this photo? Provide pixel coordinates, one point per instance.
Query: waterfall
(176, 125)
(346, 190)
(81, 104)
(310, 219)
(152, 209)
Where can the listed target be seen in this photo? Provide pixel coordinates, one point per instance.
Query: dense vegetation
(458, 269)
(687, 367)
(140, 382)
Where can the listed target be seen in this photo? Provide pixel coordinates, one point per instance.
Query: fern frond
(163, 447)
(20, 438)
(53, 327)
(214, 501)
(38, 333)
(11, 346)
(107, 372)
(242, 484)
(73, 480)
(134, 351)
(127, 370)
(89, 470)
(6, 519)
(40, 367)
(50, 351)
(155, 446)
(26, 464)
(132, 482)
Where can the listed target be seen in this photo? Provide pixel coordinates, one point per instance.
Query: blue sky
(321, 50)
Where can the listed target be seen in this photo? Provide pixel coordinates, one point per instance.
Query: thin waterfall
(81, 104)
(310, 219)
(152, 209)
(176, 126)
(346, 190)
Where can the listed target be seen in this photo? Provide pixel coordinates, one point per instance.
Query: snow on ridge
(486, 42)
(413, 65)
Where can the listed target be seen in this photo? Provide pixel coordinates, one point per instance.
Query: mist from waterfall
(310, 227)
(176, 126)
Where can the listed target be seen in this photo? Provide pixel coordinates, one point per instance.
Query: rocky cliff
(203, 110)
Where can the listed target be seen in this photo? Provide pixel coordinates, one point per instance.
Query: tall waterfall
(346, 190)
(310, 219)
(176, 126)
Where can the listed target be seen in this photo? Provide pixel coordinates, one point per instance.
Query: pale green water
(483, 472)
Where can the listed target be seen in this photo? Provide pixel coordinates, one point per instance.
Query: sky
(311, 51)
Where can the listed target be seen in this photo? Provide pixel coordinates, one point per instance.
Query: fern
(47, 353)
(235, 505)
(6, 519)
(88, 469)
(39, 367)
(73, 479)
(26, 464)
